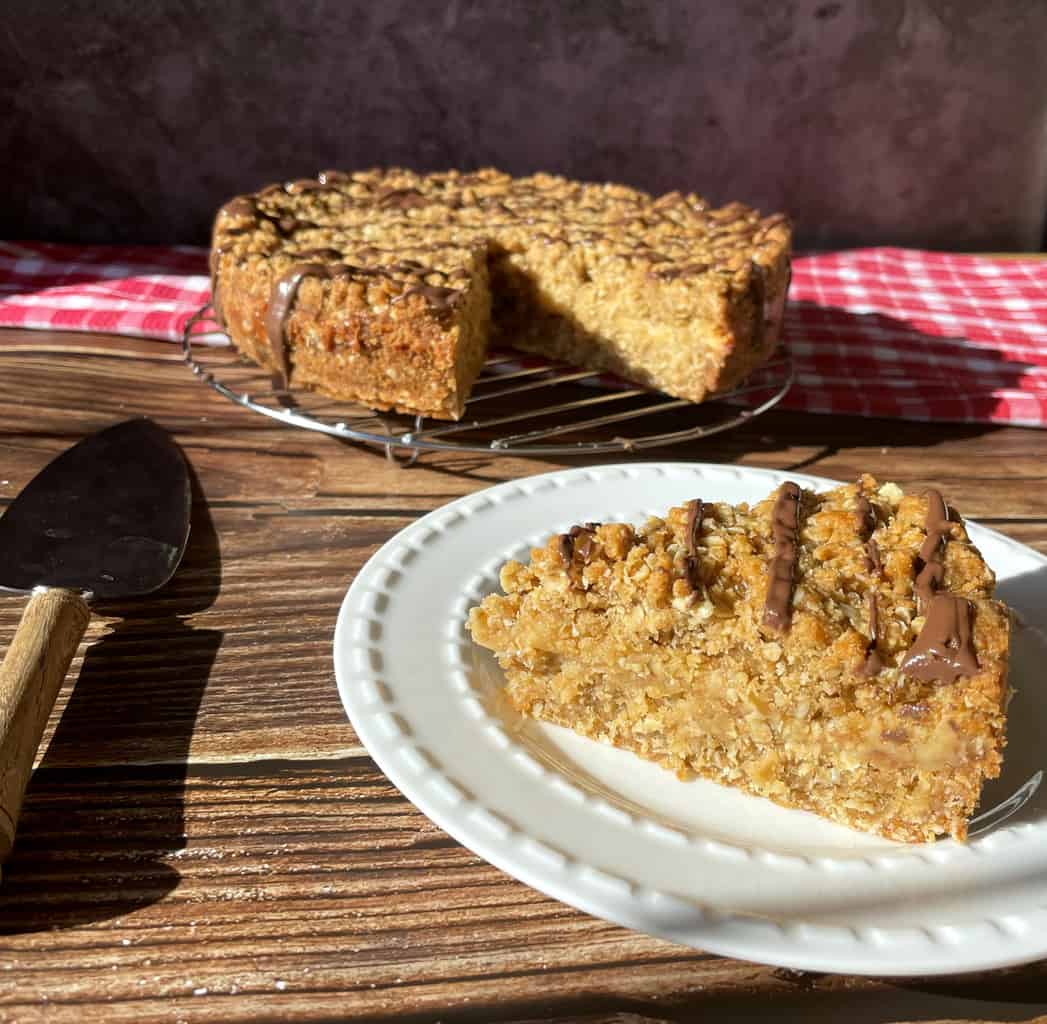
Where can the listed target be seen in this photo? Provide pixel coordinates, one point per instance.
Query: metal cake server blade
(107, 519)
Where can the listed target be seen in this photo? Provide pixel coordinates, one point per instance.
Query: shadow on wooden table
(104, 810)
(778, 432)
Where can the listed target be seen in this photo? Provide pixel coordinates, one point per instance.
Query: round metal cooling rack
(517, 406)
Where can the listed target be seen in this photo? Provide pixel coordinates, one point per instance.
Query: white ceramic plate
(625, 840)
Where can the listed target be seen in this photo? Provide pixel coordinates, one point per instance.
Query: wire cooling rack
(519, 405)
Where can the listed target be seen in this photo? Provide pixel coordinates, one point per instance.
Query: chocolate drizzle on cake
(695, 516)
(214, 263)
(285, 289)
(674, 273)
(281, 301)
(944, 650)
(247, 207)
(402, 198)
(439, 298)
(412, 267)
(320, 254)
(241, 206)
(777, 608)
(306, 185)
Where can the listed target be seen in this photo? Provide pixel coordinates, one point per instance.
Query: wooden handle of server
(52, 626)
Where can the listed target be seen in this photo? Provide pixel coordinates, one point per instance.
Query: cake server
(108, 519)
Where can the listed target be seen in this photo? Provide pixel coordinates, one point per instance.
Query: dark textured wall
(901, 121)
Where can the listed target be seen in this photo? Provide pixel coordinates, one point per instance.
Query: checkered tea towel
(873, 332)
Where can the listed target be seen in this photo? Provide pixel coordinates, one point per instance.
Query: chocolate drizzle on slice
(944, 650)
(929, 567)
(865, 524)
(695, 516)
(777, 608)
(873, 663)
(583, 545)
(577, 545)
(872, 557)
(865, 517)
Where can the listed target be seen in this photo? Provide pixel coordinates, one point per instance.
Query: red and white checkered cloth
(873, 332)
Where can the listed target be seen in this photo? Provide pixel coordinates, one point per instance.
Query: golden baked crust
(408, 271)
(640, 643)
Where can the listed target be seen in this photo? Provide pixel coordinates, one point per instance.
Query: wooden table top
(205, 839)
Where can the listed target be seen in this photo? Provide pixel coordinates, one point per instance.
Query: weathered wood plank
(311, 893)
